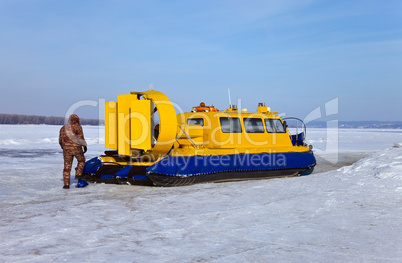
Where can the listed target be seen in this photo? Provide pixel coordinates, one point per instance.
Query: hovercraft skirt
(167, 180)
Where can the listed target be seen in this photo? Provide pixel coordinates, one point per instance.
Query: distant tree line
(34, 119)
(359, 124)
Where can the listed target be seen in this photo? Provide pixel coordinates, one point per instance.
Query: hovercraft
(149, 144)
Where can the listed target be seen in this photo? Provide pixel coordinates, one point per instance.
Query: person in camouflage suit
(71, 140)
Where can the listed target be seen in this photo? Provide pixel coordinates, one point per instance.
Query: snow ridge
(382, 165)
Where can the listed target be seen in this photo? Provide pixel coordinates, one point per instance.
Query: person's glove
(85, 149)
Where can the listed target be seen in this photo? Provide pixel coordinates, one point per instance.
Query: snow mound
(13, 142)
(94, 140)
(382, 165)
(49, 140)
(398, 144)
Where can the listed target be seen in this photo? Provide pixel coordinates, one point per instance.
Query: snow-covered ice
(349, 211)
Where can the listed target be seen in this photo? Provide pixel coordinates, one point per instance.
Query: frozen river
(348, 210)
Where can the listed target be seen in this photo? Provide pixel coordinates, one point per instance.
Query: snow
(348, 210)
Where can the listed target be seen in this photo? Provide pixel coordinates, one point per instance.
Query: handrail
(297, 127)
(195, 146)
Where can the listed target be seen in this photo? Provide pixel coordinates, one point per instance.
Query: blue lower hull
(184, 170)
(196, 165)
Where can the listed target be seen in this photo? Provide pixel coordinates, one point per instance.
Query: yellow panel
(192, 131)
(111, 125)
(123, 123)
(141, 124)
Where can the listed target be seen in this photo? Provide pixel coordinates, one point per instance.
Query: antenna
(230, 101)
(151, 86)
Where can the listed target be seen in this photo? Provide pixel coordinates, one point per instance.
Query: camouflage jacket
(71, 135)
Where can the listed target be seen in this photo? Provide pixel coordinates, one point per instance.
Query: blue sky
(293, 55)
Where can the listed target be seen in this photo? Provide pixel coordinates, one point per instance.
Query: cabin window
(274, 125)
(253, 125)
(195, 121)
(230, 125)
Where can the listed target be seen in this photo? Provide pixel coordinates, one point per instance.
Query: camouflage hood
(74, 119)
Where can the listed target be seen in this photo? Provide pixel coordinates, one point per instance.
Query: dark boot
(78, 177)
(66, 186)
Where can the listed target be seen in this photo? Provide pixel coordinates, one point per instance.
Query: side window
(253, 125)
(195, 121)
(269, 126)
(274, 125)
(279, 126)
(231, 125)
